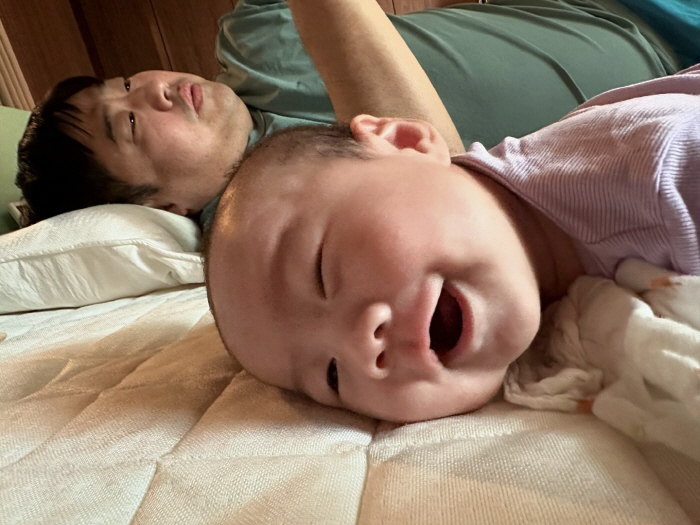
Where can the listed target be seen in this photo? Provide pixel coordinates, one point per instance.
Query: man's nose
(366, 347)
(156, 94)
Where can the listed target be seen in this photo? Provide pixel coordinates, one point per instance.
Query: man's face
(177, 132)
(395, 287)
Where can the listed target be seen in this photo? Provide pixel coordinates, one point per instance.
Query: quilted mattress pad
(131, 412)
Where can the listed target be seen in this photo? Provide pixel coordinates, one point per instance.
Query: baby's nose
(368, 342)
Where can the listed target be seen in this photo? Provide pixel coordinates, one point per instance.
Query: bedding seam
(367, 465)
(145, 493)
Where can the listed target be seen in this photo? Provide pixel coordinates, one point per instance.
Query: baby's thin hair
(319, 141)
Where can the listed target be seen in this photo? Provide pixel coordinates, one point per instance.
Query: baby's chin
(419, 412)
(428, 416)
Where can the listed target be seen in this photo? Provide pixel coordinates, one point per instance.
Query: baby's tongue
(446, 324)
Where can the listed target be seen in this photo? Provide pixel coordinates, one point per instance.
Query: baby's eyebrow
(278, 262)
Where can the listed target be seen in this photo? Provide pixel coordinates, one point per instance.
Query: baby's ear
(391, 136)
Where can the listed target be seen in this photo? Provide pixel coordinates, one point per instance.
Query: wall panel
(46, 41)
(54, 39)
(189, 32)
(122, 36)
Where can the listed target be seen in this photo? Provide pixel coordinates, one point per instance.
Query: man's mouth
(445, 325)
(192, 95)
(197, 97)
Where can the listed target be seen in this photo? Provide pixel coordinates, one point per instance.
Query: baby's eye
(132, 121)
(127, 85)
(319, 272)
(332, 376)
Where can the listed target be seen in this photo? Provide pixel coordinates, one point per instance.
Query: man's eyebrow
(108, 126)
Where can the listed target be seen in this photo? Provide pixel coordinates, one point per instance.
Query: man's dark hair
(57, 173)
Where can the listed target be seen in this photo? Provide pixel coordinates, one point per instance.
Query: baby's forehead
(266, 171)
(271, 186)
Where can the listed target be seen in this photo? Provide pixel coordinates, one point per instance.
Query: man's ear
(171, 207)
(391, 136)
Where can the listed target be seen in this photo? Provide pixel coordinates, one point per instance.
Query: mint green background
(12, 123)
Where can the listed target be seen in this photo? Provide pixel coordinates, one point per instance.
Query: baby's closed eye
(332, 376)
(319, 272)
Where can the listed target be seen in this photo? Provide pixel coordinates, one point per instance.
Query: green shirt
(508, 67)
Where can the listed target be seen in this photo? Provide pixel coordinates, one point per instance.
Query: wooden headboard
(55, 39)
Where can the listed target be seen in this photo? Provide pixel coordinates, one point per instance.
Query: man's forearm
(366, 65)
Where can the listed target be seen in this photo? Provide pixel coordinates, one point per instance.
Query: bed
(119, 404)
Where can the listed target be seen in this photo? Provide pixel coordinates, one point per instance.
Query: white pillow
(95, 255)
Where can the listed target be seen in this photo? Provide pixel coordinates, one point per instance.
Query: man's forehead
(85, 120)
(90, 101)
(87, 99)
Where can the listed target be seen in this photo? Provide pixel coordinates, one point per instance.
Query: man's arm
(366, 65)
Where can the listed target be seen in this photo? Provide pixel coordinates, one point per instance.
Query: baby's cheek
(400, 251)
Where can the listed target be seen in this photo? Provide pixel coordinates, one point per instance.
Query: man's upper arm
(367, 66)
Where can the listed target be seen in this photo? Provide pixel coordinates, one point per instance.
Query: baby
(363, 266)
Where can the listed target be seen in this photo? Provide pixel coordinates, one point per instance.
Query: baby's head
(361, 267)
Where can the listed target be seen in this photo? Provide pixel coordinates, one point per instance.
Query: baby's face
(394, 287)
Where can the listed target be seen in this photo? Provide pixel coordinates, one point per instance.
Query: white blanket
(631, 350)
(131, 412)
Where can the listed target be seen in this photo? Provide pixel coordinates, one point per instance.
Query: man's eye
(319, 272)
(132, 121)
(332, 376)
(127, 85)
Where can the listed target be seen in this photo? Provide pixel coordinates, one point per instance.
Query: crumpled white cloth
(629, 350)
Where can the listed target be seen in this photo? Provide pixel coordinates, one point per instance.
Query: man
(508, 67)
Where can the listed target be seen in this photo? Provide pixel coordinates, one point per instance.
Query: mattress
(130, 411)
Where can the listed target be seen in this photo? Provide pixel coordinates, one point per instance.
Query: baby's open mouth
(446, 324)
